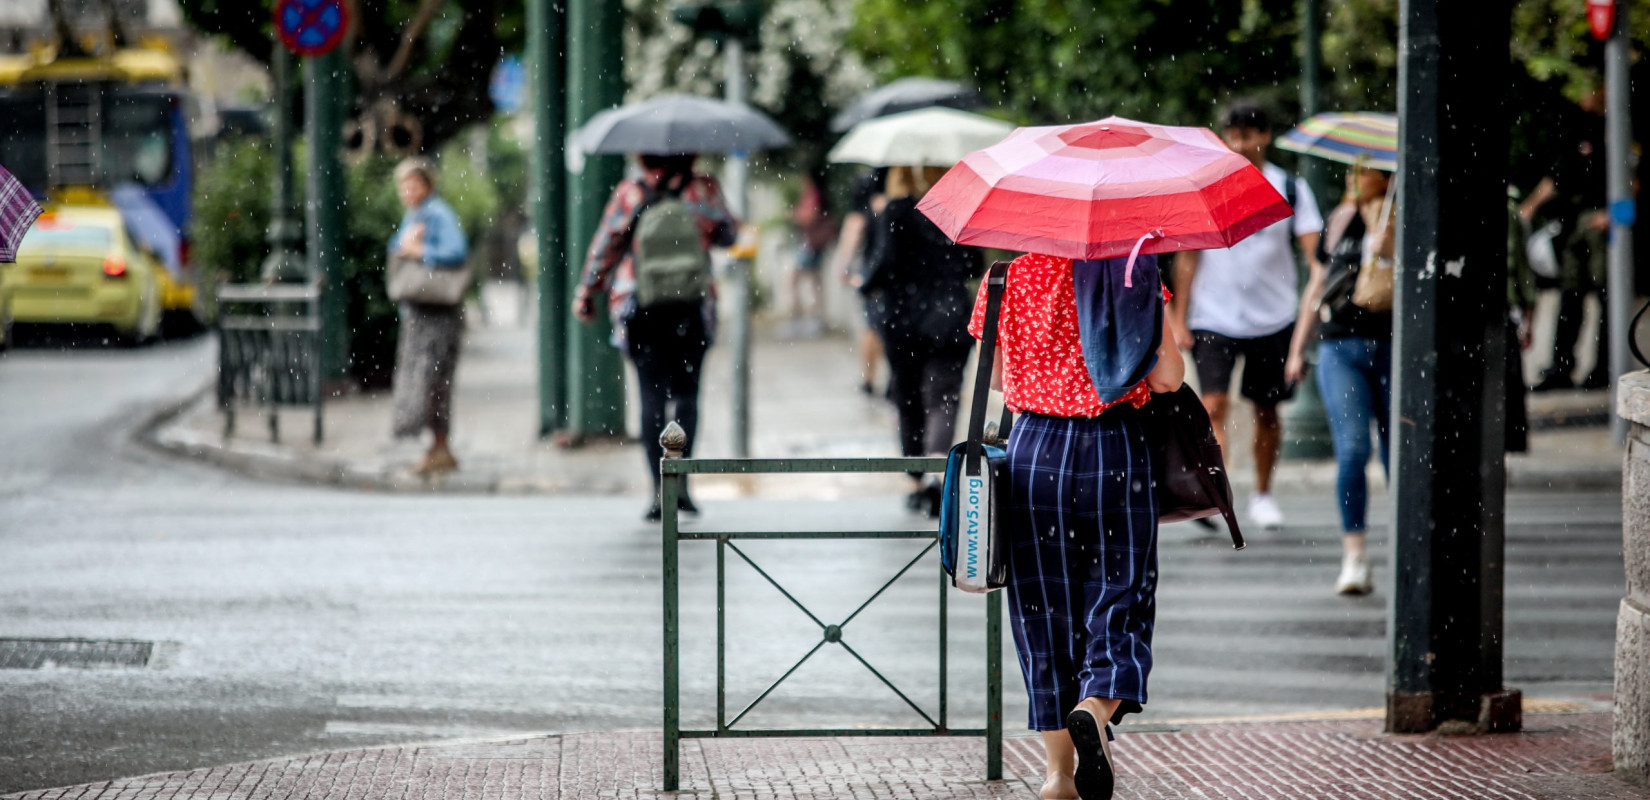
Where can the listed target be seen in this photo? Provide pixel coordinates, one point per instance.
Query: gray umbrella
(906, 94)
(677, 123)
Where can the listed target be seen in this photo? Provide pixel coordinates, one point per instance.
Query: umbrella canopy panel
(906, 94)
(928, 137)
(677, 124)
(1093, 190)
(1364, 137)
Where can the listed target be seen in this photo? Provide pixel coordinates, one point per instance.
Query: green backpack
(668, 251)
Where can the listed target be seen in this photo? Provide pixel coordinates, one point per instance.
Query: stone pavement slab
(1556, 757)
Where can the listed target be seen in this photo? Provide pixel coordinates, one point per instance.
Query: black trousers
(667, 344)
(926, 387)
(1572, 307)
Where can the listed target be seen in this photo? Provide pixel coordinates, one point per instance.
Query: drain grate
(73, 653)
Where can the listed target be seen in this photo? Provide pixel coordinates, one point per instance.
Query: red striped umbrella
(1104, 189)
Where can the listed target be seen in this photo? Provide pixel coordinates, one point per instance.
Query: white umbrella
(906, 94)
(927, 137)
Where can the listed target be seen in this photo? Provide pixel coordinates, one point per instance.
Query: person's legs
(870, 358)
(942, 394)
(445, 350)
(1348, 378)
(905, 383)
(1215, 357)
(1566, 331)
(1264, 385)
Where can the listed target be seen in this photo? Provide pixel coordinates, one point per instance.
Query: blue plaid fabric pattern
(1083, 562)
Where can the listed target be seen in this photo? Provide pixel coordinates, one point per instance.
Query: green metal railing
(269, 351)
(675, 469)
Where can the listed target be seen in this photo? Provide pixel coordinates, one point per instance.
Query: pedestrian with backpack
(651, 256)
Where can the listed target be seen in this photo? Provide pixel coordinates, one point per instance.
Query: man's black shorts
(1263, 359)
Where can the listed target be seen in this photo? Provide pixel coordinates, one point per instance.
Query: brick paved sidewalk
(1557, 757)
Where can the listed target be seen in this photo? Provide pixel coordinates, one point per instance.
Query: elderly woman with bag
(427, 279)
(1078, 352)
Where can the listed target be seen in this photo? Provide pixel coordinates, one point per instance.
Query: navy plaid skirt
(1083, 565)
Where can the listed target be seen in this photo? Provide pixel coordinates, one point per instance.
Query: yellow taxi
(78, 265)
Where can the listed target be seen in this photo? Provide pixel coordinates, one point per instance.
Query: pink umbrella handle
(1128, 269)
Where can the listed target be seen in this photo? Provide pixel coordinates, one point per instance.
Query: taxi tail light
(184, 251)
(114, 267)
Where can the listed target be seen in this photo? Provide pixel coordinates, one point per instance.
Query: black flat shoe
(1095, 778)
(685, 505)
(654, 512)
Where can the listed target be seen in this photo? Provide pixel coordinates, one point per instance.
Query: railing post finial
(673, 440)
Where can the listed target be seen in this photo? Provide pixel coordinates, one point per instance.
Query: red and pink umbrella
(1104, 189)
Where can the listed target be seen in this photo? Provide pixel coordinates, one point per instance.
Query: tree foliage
(801, 69)
(1056, 61)
(427, 60)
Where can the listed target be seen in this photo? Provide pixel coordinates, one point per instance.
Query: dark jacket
(922, 278)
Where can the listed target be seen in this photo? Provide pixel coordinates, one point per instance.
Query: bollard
(1631, 741)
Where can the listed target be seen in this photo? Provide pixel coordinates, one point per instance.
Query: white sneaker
(1356, 576)
(1264, 511)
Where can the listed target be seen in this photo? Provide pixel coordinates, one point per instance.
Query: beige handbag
(410, 280)
(1376, 279)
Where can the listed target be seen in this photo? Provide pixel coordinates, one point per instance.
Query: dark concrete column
(1445, 635)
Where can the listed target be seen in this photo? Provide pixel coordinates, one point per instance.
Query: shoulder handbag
(1376, 278)
(1186, 461)
(974, 500)
(410, 280)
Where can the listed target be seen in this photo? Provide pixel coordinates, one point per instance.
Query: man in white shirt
(1242, 300)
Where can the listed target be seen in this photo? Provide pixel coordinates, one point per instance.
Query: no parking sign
(311, 27)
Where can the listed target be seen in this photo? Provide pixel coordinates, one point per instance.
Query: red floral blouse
(1037, 335)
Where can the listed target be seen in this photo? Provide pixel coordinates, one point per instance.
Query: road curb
(265, 461)
(259, 460)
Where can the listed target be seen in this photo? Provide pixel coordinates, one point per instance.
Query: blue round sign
(311, 27)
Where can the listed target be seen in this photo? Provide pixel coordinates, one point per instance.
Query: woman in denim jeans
(1354, 356)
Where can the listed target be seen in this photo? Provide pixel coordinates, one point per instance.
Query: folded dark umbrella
(17, 214)
(906, 94)
(677, 124)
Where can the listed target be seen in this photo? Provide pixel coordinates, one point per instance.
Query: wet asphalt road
(289, 619)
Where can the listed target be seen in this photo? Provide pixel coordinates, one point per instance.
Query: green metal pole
(1305, 423)
(286, 233)
(994, 686)
(326, 99)
(670, 490)
(595, 81)
(546, 48)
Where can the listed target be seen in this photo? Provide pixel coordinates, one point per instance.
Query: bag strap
(995, 280)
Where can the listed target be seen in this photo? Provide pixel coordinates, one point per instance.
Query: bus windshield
(137, 132)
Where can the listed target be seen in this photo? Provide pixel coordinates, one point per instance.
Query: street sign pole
(595, 81)
(285, 261)
(1618, 137)
(546, 46)
(1306, 433)
(736, 177)
(1445, 628)
(325, 97)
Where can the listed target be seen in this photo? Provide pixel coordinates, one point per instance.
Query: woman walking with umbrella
(1355, 352)
(922, 278)
(1081, 345)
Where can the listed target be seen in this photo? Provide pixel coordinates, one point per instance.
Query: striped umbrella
(1367, 138)
(1104, 189)
(17, 214)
